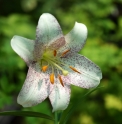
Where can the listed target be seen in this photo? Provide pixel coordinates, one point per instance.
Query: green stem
(56, 117)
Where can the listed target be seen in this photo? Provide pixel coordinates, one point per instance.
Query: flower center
(52, 59)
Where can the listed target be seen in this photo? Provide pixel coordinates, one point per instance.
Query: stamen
(44, 68)
(54, 52)
(52, 78)
(74, 69)
(61, 81)
(65, 52)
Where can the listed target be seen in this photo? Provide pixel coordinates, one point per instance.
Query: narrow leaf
(66, 116)
(26, 114)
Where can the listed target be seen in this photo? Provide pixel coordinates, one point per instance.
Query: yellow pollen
(65, 52)
(74, 69)
(54, 52)
(52, 78)
(61, 81)
(44, 68)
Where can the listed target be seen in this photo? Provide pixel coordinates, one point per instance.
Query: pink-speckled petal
(57, 44)
(36, 88)
(76, 38)
(90, 73)
(60, 96)
(23, 47)
(49, 31)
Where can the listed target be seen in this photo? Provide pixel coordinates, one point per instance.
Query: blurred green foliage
(104, 47)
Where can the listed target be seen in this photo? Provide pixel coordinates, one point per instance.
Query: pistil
(51, 58)
(65, 72)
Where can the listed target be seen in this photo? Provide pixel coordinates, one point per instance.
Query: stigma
(51, 59)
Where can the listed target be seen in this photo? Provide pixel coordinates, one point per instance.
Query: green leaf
(66, 116)
(26, 114)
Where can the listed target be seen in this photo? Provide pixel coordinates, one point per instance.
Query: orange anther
(52, 78)
(44, 68)
(74, 69)
(65, 52)
(54, 52)
(61, 81)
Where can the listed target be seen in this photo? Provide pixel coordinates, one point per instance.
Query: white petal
(60, 96)
(23, 47)
(90, 73)
(48, 29)
(76, 38)
(36, 88)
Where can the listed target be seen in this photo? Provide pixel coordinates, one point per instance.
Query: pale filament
(54, 62)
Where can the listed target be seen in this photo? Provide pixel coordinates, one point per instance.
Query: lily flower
(54, 64)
